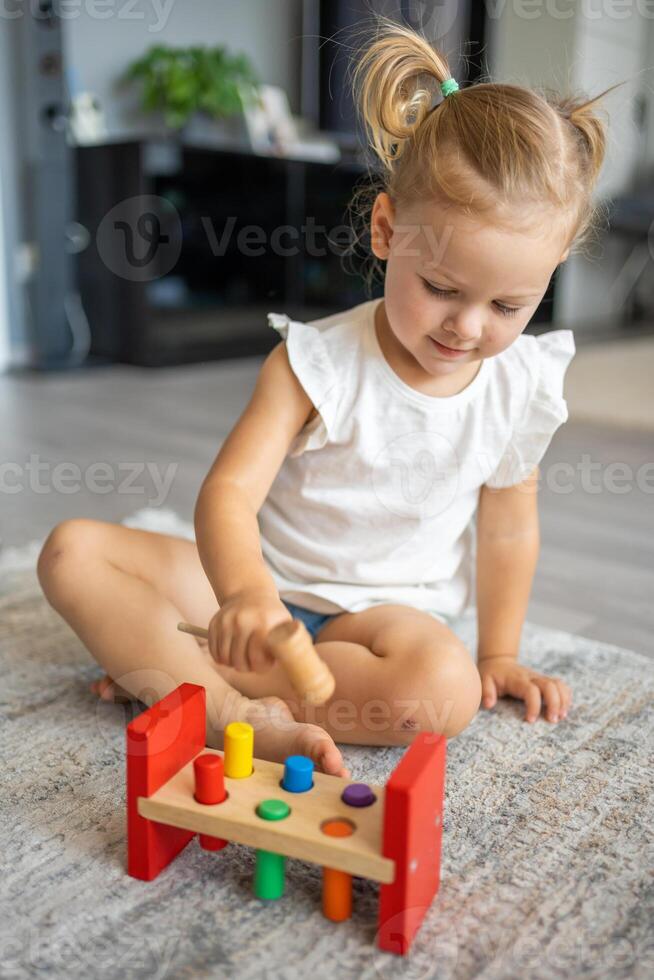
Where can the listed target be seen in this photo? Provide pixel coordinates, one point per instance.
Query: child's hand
(238, 631)
(503, 675)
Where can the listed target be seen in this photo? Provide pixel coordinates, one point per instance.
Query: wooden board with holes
(297, 836)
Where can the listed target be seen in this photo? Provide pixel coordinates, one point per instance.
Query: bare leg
(130, 629)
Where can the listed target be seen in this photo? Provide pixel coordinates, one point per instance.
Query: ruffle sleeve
(548, 357)
(309, 358)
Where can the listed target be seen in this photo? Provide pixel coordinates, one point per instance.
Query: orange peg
(336, 885)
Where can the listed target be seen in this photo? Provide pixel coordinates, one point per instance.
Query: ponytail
(397, 78)
(590, 130)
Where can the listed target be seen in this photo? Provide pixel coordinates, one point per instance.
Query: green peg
(270, 867)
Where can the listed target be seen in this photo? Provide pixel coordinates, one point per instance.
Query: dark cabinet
(189, 248)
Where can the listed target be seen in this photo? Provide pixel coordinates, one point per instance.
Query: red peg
(208, 843)
(209, 778)
(210, 789)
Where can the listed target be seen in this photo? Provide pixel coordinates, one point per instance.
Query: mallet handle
(193, 630)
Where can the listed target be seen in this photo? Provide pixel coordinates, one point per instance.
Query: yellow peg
(238, 749)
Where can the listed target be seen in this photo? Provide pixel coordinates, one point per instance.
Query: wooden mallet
(290, 644)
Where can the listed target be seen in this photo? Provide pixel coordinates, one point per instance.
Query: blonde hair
(484, 149)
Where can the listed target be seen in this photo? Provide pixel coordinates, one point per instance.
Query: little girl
(385, 471)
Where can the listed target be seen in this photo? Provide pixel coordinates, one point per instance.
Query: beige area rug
(613, 382)
(547, 847)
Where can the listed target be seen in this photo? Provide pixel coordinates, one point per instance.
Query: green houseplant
(182, 81)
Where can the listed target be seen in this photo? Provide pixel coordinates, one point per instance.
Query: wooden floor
(596, 570)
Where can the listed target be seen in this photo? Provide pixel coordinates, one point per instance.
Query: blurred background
(173, 170)
(78, 146)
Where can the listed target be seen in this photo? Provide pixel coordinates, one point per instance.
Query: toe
(106, 689)
(329, 758)
(99, 686)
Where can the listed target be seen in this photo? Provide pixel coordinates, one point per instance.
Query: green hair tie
(448, 86)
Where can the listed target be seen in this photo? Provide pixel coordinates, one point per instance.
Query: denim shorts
(312, 620)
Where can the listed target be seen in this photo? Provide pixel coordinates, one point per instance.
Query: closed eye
(507, 310)
(437, 290)
(444, 293)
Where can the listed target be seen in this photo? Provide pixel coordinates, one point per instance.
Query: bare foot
(108, 690)
(277, 735)
(276, 732)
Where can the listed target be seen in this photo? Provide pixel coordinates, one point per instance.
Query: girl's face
(456, 282)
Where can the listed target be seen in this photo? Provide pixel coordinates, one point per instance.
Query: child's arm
(225, 516)
(508, 540)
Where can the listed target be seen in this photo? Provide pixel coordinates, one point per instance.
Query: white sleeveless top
(376, 499)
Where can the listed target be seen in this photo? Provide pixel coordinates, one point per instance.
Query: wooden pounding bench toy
(176, 787)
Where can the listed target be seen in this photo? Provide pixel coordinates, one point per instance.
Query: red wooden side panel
(413, 827)
(159, 743)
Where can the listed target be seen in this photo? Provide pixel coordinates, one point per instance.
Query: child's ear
(381, 225)
(564, 256)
